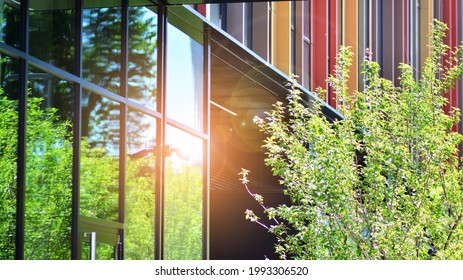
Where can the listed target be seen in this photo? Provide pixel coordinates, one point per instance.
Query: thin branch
(260, 203)
(449, 237)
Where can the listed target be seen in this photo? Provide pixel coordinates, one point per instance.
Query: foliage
(183, 211)
(384, 182)
(48, 181)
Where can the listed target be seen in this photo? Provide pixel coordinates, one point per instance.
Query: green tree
(384, 182)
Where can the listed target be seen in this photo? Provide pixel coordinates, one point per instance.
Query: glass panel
(142, 55)
(52, 32)
(184, 78)
(10, 32)
(99, 162)
(48, 167)
(9, 93)
(101, 40)
(306, 12)
(183, 196)
(140, 187)
(235, 143)
(306, 65)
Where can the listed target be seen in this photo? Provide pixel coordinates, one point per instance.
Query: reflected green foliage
(8, 151)
(183, 212)
(385, 182)
(139, 212)
(48, 181)
(48, 191)
(48, 184)
(103, 251)
(99, 183)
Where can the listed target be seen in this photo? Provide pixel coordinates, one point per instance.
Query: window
(49, 157)
(101, 41)
(184, 76)
(142, 56)
(52, 32)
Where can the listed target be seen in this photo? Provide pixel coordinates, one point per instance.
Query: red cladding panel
(319, 53)
(333, 45)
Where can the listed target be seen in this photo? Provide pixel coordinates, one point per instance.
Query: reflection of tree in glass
(183, 213)
(139, 211)
(102, 59)
(99, 175)
(48, 184)
(52, 36)
(48, 181)
(8, 150)
(10, 25)
(142, 55)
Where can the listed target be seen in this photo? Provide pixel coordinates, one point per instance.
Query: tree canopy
(383, 182)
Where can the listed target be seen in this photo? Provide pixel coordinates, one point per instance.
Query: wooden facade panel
(281, 36)
(350, 37)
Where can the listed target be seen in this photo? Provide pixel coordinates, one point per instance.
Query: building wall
(395, 31)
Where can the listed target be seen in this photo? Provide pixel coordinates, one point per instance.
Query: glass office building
(124, 123)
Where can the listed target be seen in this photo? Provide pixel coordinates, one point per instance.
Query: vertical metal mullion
(206, 143)
(160, 131)
(123, 120)
(75, 240)
(22, 135)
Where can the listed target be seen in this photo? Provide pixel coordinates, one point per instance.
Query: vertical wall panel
(299, 40)
(261, 29)
(333, 44)
(350, 37)
(426, 16)
(387, 53)
(281, 36)
(319, 52)
(362, 41)
(399, 46)
(235, 21)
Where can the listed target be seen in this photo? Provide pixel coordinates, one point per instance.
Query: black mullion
(123, 121)
(22, 135)
(206, 145)
(75, 246)
(160, 130)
